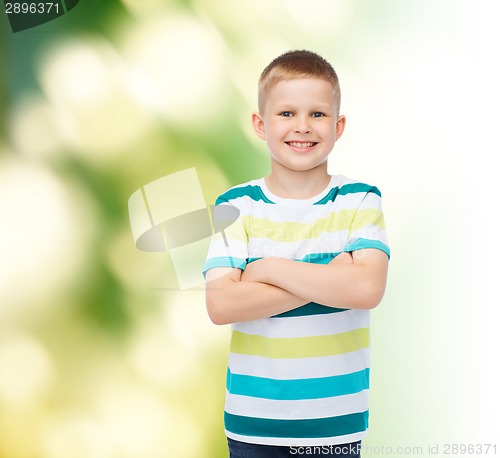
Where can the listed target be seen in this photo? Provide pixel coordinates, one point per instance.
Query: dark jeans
(243, 450)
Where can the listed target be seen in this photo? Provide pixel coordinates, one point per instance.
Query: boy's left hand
(261, 269)
(258, 270)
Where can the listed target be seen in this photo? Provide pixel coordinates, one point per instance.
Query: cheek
(279, 131)
(331, 133)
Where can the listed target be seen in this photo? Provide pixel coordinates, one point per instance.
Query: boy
(296, 276)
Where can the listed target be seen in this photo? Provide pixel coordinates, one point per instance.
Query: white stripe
(306, 326)
(299, 368)
(218, 248)
(295, 410)
(341, 180)
(289, 442)
(371, 232)
(327, 242)
(308, 214)
(370, 200)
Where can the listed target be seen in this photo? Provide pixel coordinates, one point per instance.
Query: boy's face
(300, 123)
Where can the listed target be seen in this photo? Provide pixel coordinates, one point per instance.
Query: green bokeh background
(101, 356)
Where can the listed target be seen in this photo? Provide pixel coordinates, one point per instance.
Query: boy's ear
(340, 126)
(258, 125)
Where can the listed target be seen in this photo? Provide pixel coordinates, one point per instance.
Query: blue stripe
(312, 308)
(347, 189)
(294, 390)
(361, 244)
(316, 427)
(319, 258)
(224, 261)
(254, 192)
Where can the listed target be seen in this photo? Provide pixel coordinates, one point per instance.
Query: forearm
(336, 286)
(248, 300)
(354, 286)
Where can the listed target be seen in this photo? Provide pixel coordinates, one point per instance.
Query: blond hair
(296, 65)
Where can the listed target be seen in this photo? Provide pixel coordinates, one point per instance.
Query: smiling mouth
(301, 144)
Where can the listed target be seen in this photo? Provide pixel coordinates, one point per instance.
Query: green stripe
(313, 428)
(347, 189)
(343, 220)
(254, 192)
(312, 308)
(299, 347)
(297, 389)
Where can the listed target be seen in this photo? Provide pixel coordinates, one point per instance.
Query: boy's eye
(286, 114)
(318, 114)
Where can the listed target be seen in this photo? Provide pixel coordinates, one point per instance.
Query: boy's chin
(301, 167)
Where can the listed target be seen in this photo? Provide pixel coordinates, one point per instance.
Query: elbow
(218, 320)
(369, 296)
(369, 303)
(215, 312)
(372, 296)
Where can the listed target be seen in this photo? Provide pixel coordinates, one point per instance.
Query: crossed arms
(271, 286)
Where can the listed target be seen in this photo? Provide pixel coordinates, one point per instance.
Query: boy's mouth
(302, 146)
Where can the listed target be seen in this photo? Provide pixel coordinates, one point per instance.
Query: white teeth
(301, 144)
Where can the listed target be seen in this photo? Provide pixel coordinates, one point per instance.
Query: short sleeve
(368, 227)
(229, 244)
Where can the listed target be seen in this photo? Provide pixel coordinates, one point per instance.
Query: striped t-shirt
(301, 377)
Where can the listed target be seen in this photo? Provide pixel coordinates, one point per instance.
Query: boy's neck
(291, 184)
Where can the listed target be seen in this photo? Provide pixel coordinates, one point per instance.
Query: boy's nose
(302, 126)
